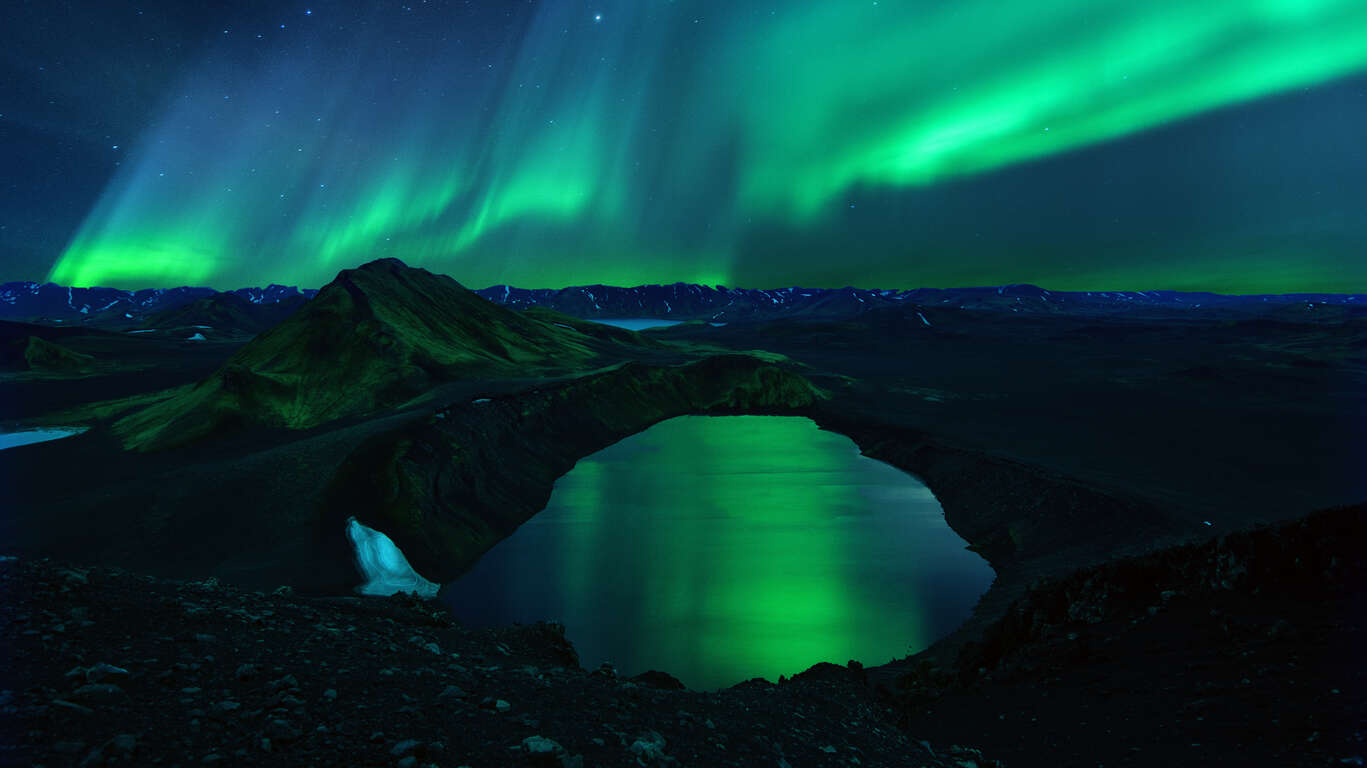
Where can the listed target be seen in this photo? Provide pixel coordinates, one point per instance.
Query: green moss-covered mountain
(22, 349)
(42, 355)
(375, 337)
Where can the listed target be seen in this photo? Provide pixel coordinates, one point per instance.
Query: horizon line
(719, 286)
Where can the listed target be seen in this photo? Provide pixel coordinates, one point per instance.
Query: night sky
(1077, 144)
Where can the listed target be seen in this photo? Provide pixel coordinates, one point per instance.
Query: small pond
(16, 439)
(638, 323)
(719, 549)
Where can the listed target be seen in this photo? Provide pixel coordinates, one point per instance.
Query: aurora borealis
(1122, 144)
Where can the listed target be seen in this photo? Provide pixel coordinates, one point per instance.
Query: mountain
(227, 314)
(374, 337)
(48, 302)
(682, 301)
(679, 301)
(22, 350)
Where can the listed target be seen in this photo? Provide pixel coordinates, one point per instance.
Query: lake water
(720, 549)
(638, 323)
(16, 439)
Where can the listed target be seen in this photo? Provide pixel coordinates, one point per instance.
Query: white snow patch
(148, 330)
(479, 400)
(923, 319)
(383, 564)
(196, 337)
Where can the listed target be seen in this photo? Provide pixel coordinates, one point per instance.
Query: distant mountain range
(252, 309)
(48, 302)
(683, 301)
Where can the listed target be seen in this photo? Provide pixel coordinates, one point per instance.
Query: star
(597, 17)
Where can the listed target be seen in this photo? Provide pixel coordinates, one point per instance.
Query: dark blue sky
(549, 143)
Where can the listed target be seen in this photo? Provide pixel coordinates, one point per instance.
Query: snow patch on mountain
(383, 564)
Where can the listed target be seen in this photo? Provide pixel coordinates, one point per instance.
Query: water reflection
(719, 549)
(638, 323)
(16, 439)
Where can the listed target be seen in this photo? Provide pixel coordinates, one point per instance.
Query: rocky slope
(1247, 649)
(105, 667)
(1243, 650)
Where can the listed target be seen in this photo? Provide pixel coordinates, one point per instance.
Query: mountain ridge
(63, 304)
(678, 301)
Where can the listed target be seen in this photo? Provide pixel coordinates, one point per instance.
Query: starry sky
(1076, 144)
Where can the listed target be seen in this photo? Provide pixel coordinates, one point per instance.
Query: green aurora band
(661, 142)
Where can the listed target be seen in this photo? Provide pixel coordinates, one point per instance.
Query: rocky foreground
(1245, 649)
(105, 667)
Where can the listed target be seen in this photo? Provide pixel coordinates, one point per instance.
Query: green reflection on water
(719, 549)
